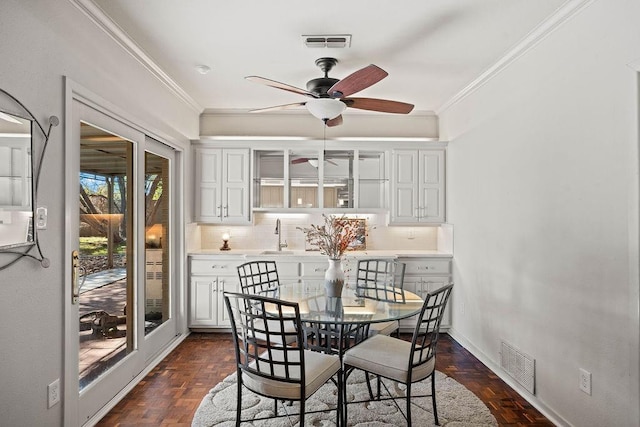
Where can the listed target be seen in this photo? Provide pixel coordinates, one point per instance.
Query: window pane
(157, 285)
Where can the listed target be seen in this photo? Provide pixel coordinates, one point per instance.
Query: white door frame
(146, 356)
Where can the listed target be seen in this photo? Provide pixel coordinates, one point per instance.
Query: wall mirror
(16, 183)
(19, 176)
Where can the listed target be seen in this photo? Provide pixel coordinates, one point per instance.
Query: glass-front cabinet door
(268, 181)
(312, 178)
(372, 180)
(303, 179)
(338, 179)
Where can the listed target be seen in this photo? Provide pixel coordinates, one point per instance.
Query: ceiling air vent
(335, 41)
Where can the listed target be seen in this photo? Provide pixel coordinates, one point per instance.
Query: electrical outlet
(53, 390)
(585, 381)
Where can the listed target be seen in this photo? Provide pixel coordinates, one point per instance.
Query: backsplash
(262, 234)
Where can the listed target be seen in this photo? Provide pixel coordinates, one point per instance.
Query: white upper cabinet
(354, 177)
(418, 186)
(222, 180)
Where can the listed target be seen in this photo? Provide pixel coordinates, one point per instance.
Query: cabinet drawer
(314, 269)
(428, 266)
(214, 267)
(288, 269)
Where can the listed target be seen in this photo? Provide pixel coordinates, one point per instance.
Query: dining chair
(269, 368)
(403, 361)
(258, 277)
(383, 280)
(261, 278)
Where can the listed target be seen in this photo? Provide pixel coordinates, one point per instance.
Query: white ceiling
(431, 49)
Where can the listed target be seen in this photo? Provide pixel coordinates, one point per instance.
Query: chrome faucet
(279, 233)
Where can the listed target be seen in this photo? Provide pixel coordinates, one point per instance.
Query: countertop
(272, 254)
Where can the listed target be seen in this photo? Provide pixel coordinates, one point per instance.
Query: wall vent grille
(336, 41)
(520, 366)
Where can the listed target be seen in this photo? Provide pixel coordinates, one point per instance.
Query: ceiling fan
(330, 97)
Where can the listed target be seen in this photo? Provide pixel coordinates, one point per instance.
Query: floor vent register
(520, 366)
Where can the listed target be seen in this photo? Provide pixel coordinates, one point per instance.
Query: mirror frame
(21, 250)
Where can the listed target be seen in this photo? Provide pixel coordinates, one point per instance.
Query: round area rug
(457, 406)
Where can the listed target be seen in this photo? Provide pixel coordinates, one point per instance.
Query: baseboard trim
(118, 397)
(496, 369)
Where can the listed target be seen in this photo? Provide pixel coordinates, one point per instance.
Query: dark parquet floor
(170, 394)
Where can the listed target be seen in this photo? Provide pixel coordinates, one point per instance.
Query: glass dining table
(334, 324)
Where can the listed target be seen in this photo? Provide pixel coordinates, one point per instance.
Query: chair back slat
(260, 325)
(258, 277)
(381, 279)
(425, 335)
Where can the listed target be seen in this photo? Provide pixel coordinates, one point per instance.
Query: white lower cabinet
(423, 275)
(208, 280)
(288, 271)
(313, 270)
(212, 275)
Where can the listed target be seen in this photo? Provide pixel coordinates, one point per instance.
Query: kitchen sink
(276, 252)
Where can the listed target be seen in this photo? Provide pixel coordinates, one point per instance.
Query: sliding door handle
(75, 285)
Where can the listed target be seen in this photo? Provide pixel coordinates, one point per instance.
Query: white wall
(261, 235)
(302, 124)
(40, 42)
(543, 195)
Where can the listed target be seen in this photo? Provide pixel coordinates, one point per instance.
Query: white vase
(334, 278)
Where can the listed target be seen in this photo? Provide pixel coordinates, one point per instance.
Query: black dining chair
(266, 366)
(403, 361)
(258, 277)
(383, 280)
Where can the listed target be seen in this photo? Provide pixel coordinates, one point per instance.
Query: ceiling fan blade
(312, 161)
(382, 105)
(357, 81)
(278, 107)
(279, 85)
(299, 160)
(335, 122)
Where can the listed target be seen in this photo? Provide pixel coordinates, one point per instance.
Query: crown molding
(106, 24)
(546, 27)
(303, 112)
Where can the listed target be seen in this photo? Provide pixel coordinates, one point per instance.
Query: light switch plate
(41, 218)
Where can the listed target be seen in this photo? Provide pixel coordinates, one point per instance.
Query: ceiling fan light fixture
(325, 108)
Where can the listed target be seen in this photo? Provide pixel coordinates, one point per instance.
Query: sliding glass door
(121, 305)
(160, 293)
